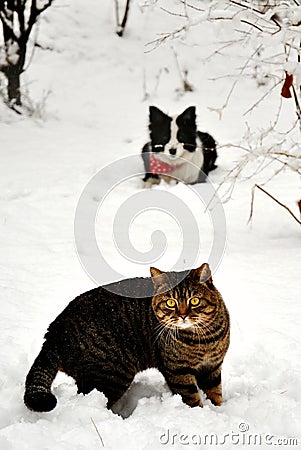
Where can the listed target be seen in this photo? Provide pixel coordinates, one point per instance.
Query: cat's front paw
(193, 401)
(215, 395)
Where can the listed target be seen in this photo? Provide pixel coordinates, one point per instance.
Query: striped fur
(103, 339)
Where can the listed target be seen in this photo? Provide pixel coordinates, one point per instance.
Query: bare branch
(97, 431)
(273, 198)
(7, 19)
(20, 12)
(159, 41)
(183, 74)
(288, 155)
(192, 6)
(242, 5)
(252, 24)
(34, 13)
(117, 14)
(262, 97)
(121, 26)
(45, 6)
(298, 108)
(172, 13)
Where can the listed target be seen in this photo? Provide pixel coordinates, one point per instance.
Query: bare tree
(278, 70)
(18, 18)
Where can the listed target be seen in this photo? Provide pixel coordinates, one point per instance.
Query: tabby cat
(103, 339)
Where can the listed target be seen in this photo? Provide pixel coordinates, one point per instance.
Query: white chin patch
(185, 324)
(168, 158)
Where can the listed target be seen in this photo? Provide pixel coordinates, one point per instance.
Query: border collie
(172, 141)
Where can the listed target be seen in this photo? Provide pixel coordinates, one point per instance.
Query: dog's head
(171, 136)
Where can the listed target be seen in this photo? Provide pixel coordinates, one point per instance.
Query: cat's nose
(172, 151)
(183, 316)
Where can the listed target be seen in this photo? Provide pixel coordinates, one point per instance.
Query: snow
(95, 114)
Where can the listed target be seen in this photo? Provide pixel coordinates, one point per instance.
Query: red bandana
(158, 167)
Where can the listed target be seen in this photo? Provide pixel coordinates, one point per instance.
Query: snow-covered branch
(275, 26)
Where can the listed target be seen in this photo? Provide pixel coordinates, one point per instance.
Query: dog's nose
(172, 151)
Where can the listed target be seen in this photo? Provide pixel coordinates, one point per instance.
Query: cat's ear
(156, 115)
(160, 280)
(203, 274)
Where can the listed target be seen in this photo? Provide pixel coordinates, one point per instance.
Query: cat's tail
(38, 396)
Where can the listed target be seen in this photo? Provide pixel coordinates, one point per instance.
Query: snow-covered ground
(96, 113)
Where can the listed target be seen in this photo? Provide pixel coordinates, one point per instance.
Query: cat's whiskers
(171, 335)
(168, 337)
(196, 331)
(205, 330)
(171, 332)
(200, 333)
(162, 328)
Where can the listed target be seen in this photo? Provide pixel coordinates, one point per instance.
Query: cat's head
(172, 136)
(191, 303)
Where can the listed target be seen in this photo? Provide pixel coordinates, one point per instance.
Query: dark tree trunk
(13, 73)
(121, 26)
(13, 86)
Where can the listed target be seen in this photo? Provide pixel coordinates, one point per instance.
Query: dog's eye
(158, 148)
(189, 147)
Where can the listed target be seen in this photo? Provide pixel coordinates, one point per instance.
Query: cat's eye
(194, 301)
(171, 303)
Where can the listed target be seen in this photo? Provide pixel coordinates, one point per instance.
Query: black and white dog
(174, 144)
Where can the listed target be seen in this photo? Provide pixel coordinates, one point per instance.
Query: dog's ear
(188, 115)
(156, 115)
